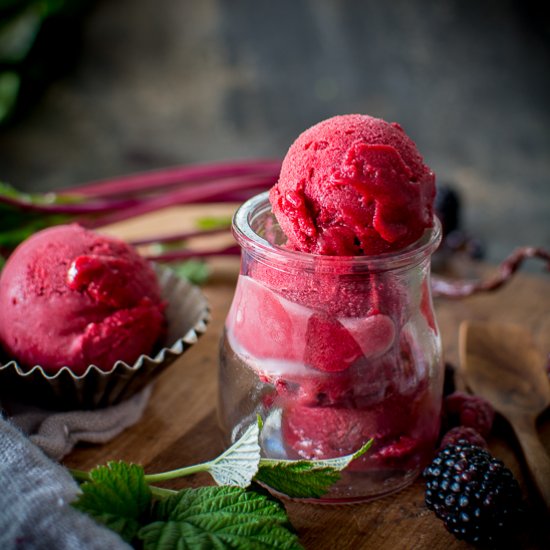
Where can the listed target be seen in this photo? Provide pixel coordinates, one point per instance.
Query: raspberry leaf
(219, 517)
(304, 478)
(239, 464)
(116, 496)
(236, 466)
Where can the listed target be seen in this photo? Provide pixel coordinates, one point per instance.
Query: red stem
(188, 195)
(96, 207)
(177, 175)
(232, 250)
(505, 271)
(179, 236)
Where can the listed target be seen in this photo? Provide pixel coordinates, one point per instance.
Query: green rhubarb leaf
(305, 478)
(117, 496)
(219, 517)
(239, 464)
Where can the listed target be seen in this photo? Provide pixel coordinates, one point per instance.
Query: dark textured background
(171, 82)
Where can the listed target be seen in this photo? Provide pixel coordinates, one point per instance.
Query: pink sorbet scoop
(353, 185)
(71, 297)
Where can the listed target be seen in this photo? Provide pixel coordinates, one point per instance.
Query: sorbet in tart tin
(87, 322)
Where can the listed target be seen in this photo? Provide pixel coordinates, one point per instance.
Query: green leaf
(195, 271)
(214, 222)
(297, 479)
(8, 190)
(117, 496)
(9, 88)
(305, 478)
(239, 464)
(236, 466)
(18, 34)
(219, 517)
(15, 226)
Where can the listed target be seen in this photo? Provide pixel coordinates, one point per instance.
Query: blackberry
(447, 207)
(474, 494)
(458, 433)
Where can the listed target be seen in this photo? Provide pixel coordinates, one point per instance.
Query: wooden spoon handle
(536, 457)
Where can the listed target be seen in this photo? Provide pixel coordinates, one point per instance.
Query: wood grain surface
(179, 426)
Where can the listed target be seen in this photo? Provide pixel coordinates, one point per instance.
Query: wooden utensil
(501, 363)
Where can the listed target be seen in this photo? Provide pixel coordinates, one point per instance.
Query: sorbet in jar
(331, 335)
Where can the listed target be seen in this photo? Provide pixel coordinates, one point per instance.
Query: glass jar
(331, 351)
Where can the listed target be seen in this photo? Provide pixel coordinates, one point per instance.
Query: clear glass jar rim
(259, 247)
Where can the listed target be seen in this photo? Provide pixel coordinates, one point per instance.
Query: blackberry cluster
(474, 494)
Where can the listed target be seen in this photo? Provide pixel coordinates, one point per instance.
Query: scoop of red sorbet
(72, 297)
(353, 185)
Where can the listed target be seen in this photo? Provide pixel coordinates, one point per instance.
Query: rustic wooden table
(179, 426)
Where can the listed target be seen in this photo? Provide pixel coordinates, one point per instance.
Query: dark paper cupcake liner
(187, 316)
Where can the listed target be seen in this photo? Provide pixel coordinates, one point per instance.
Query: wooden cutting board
(179, 426)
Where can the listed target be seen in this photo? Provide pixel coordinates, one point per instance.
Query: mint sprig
(236, 513)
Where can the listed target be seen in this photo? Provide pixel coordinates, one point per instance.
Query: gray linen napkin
(35, 493)
(56, 433)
